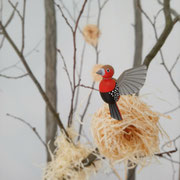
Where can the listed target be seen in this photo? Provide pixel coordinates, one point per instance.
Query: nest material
(134, 138)
(91, 34)
(66, 163)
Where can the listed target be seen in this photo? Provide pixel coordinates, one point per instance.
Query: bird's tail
(114, 111)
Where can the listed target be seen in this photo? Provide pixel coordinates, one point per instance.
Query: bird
(128, 83)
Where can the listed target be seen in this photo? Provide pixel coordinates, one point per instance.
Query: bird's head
(106, 71)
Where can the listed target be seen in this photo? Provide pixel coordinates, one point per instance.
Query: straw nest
(91, 34)
(66, 163)
(135, 138)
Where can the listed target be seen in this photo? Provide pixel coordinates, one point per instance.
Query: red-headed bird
(129, 82)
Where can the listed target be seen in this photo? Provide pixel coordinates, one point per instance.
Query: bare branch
(12, 15)
(169, 152)
(23, 26)
(173, 11)
(23, 60)
(158, 41)
(2, 41)
(13, 77)
(89, 87)
(10, 67)
(66, 69)
(34, 48)
(161, 40)
(32, 128)
(68, 12)
(172, 110)
(74, 63)
(14, 7)
(175, 62)
(65, 18)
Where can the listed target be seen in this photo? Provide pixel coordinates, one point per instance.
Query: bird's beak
(101, 72)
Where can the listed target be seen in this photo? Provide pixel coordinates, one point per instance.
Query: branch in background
(168, 153)
(173, 11)
(12, 66)
(172, 110)
(89, 87)
(16, 10)
(138, 28)
(64, 17)
(23, 26)
(66, 69)
(32, 128)
(13, 77)
(153, 23)
(82, 57)
(69, 14)
(23, 60)
(34, 48)
(2, 41)
(161, 40)
(100, 8)
(70, 120)
(12, 15)
(138, 31)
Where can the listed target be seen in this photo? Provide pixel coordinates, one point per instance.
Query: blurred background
(22, 155)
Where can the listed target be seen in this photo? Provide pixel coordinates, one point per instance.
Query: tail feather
(114, 111)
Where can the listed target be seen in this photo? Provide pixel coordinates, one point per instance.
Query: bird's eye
(107, 70)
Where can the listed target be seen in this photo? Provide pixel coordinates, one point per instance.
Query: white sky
(21, 153)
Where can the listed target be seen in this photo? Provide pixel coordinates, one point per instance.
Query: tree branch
(66, 69)
(74, 63)
(31, 127)
(23, 60)
(13, 77)
(161, 40)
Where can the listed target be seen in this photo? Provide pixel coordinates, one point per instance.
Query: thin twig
(11, 16)
(14, 7)
(66, 69)
(23, 26)
(82, 59)
(34, 48)
(65, 18)
(2, 42)
(175, 62)
(43, 94)
(89, 87)
(31, 127)
(13, 77)
(74, 64)
(172, 110)
(10, 67)
(68, 12)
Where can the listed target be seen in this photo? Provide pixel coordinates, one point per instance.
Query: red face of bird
(106, 71)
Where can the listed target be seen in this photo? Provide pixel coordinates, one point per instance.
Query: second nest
(134, 138)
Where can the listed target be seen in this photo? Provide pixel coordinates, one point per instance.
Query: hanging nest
(66, 163)
(91, 34)
(135, 138)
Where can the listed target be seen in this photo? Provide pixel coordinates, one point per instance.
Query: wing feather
(132, 80)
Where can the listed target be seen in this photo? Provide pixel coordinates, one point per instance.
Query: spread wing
(131, 80)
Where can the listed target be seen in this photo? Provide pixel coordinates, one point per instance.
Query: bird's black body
(111, 98)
